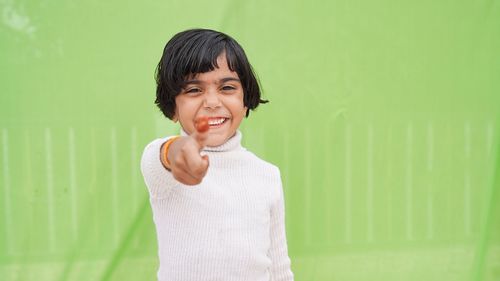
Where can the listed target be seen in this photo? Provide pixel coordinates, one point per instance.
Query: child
(218, 208)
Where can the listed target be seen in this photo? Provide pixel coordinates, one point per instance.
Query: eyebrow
(223, 80)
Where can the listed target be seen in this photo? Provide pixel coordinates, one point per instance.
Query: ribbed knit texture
(229, 227)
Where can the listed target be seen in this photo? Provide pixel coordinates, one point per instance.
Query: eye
(228, 88)
(192, 91)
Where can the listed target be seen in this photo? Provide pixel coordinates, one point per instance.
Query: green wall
(383, 120)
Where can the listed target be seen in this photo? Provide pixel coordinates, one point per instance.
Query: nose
(211, 99)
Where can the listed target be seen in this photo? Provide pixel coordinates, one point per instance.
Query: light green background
(383, 119)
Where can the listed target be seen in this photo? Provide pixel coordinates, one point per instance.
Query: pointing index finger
(201, 134)
(201, 124)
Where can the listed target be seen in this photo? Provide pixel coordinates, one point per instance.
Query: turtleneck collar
(233, 143)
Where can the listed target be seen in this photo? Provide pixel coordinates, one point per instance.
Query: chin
(216, 140)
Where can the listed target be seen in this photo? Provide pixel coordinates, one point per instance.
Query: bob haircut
(195, 51)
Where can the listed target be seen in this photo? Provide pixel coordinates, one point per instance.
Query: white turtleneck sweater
(231, 226)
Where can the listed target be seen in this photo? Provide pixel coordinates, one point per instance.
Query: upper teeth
(216, 121)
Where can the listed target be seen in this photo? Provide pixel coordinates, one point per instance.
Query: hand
(186, 163)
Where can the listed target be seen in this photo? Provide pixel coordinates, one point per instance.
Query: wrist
(164, 152)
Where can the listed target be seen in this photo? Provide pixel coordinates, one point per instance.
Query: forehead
(220, 72)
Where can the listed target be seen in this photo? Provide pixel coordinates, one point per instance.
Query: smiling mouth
(215, 122)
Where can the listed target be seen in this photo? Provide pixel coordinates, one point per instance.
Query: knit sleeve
(278, 252)
(159, 180)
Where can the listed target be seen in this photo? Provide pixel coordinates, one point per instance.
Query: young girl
(218, 208)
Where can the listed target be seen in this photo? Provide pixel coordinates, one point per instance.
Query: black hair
(196, 51)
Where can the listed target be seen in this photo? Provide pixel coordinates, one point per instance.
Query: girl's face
(217, 94)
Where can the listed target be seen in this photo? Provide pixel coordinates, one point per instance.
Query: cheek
(237, 105)
(185, 107)
(239, 115)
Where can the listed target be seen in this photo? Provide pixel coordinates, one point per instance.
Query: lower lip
(219, 125)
